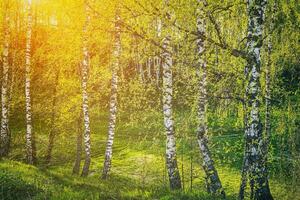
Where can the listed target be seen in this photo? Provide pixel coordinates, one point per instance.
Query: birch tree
(167, 64)
(5, 136)
(85, 108)
(30, 138)
(254, 139)
(113, 97)
(213, 182)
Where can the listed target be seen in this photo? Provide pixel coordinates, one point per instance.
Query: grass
(21, 181)
(135, 175)
(138, 169)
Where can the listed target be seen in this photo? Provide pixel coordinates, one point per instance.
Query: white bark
(30, 140)
(85, 106)
(254, 139)
(213, 182)
(4, 134)
(113, 97)
(167, 64)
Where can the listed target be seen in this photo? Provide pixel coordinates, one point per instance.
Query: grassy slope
(134, 176)
(138, 167)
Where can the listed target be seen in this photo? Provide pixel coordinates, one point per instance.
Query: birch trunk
(53, 126)
(30, 139)
(171, 158)
(213, 182)
(85, 107)
(11, 82)
(254, 139)
(113, 97)
(5, 139)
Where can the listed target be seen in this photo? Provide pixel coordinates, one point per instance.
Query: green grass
(135, 175)
(21, 181)
(138, 169)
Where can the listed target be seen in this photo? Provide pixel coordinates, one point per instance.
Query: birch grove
(150, 99)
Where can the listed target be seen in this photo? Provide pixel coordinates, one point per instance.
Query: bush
(13, 187)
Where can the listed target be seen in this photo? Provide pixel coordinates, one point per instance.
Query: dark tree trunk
(53, 132)
(76, 167)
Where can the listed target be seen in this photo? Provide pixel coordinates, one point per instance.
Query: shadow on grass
(12, 187)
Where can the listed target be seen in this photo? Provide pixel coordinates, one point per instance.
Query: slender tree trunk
(141, 70)
(171, 158)
(113, 97)
(268, 96)
(5, 139)
(157, 65)
(10, 94)
(85, 107)
(30, 137)
(53, 126)
(245, 168)
(139, 64)
(213, 182)
(254, 138)
(135, 54)
(149, 66)
(76, 167)
(157, 58)
(268, 101)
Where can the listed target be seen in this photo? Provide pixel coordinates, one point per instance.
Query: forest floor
(21, 181)
(134, 176)
(138, 169)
